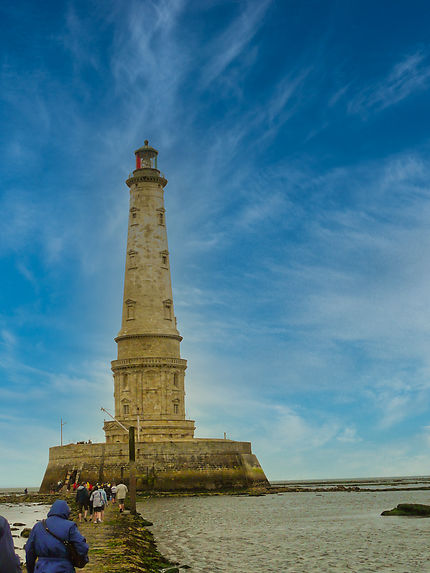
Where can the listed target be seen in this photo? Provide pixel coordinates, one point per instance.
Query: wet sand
(306, 532)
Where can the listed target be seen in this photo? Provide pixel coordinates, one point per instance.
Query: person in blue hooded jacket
(9, 561)
(46, 554)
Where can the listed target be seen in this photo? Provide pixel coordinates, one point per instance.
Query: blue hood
(60, 508)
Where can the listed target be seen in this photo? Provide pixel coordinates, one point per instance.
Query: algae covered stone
(409, 510)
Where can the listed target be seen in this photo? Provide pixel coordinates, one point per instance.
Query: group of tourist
(47, 548)
(94, 499)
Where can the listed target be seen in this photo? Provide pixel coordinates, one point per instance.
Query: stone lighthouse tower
(149, 376)
(149, 372)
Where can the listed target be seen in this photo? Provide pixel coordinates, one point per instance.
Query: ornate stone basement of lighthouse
(149, 375)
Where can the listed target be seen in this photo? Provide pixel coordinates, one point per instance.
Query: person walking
(113, 492)
(107, 488)
(97, 500)
(121, 493)
(9, 560)
(83, 500)
(105, 501)
(45, 551)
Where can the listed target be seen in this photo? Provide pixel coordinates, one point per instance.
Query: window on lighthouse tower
(164, 258)
(161, 220)
(167, 309)
(133, 215)
(130, 305)
(131, 259)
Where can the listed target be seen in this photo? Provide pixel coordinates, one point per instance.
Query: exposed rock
(18, 524)
(174, 569)
(45, 499)
(409, 509)
(25, 532)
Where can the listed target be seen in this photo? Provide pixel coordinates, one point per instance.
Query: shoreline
(49, 498)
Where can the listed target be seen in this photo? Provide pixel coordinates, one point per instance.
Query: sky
(295, 139)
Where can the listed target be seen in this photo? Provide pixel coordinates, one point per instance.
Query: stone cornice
(148, 175)
(146, 334)
(150, 423)
(149, 362)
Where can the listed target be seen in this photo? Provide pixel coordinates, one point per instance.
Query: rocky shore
(40, 498)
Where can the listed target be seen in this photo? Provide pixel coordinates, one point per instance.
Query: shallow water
(292, 532)
(27, 513)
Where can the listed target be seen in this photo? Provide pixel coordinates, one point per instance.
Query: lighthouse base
(164, 465)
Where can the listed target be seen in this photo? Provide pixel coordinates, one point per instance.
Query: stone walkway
(121, 544)
(100, 538)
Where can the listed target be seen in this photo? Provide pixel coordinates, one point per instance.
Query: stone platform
(165, 465)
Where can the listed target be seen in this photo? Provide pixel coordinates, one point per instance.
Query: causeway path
(121, 544)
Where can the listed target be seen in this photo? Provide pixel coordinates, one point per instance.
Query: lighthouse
(149, 375)
(149, 372)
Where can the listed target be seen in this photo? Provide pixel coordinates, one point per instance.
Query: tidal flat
(305, 532)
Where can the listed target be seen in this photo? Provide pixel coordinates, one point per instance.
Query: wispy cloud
(408, 76)
(226, 48)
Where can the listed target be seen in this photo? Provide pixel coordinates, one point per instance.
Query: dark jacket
(9, 561)
(82, 495)
(51, 554)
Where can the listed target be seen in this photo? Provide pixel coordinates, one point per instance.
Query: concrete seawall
(179, 465)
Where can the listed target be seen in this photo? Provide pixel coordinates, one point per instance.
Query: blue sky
(295, 138)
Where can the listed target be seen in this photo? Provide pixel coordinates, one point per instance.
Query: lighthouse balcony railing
(154, 360)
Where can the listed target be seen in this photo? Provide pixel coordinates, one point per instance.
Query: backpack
(98, 500)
